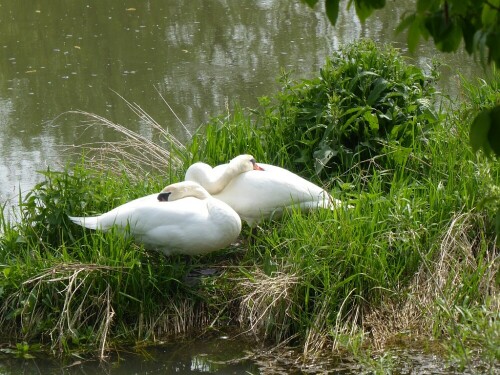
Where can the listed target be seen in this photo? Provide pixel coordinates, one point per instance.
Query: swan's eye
(163, 197)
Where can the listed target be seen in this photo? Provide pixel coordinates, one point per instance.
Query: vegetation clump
(415, 259)
(366, 102)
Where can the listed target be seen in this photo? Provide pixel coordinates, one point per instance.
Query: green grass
(414, 259)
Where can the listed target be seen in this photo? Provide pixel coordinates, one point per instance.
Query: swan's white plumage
(257, 194)
(191, 222)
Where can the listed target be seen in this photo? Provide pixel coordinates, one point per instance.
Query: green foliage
(366, 101)
(393, 243)
(448, 22)
(364, 8)
(469, 328)
(44, 210)
(485, 128)
(414, 237)
(227, 136)
(60, 284)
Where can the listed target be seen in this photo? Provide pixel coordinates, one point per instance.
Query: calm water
(223, 355)
(201, 56)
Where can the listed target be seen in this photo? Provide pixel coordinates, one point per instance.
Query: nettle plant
(367, 102)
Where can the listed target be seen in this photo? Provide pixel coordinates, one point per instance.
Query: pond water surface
(201, 56)
(226, 355)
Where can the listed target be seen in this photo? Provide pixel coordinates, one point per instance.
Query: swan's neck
(214, 180)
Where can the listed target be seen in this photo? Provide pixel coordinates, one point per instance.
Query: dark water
(225, 355)
(201, 56)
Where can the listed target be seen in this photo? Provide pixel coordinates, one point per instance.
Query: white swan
(182, 219)
(259, 191)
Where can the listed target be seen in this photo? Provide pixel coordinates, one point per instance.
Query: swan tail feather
(90, 222)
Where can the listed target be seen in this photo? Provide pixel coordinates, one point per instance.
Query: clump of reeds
(156, 151)
(266, 304)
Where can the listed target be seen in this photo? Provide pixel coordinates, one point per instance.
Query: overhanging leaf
(311, 3)
(494, 130)
(332, 10)
(363, 10)
(479, 132)
(424, 5)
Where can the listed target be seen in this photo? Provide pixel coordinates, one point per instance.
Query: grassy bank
(414, 261)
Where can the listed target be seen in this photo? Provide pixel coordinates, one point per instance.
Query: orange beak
(256, 167)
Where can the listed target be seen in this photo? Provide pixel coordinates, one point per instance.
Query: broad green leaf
(332, 10)
(446, 32)
(356, 113)
(479, 132)
(6, 272)
(492, 41)
(372, 121)
(458, 6)
(375, 4)
(424, 5)
(414, 32)
(405, 23)
(494, 130)
(468, 30)
(311, 3)
(380, 85)
(363, 10)
(489, 15)
(322, 156)
(450, 38)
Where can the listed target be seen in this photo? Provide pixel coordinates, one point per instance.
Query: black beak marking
(163, 197)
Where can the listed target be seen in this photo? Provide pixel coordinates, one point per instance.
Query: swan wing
(257, 194)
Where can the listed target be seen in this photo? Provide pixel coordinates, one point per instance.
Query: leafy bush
(364, 98)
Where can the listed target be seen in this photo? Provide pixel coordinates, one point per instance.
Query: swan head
(245, 163)
(181, 190)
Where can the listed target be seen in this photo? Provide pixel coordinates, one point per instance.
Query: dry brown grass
(411, 314)
(66, 291)
(80, 298)
(266, 305)
(133, 153)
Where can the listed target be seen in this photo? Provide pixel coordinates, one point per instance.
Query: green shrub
(365, 98)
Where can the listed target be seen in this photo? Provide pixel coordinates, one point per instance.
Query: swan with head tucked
(182, 219)
(259, 191)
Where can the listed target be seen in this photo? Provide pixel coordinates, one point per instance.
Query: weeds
(414, 259)
(365, 100)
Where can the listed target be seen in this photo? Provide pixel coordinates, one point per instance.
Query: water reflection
(220, 355)
(213, 355)
(201, 56)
